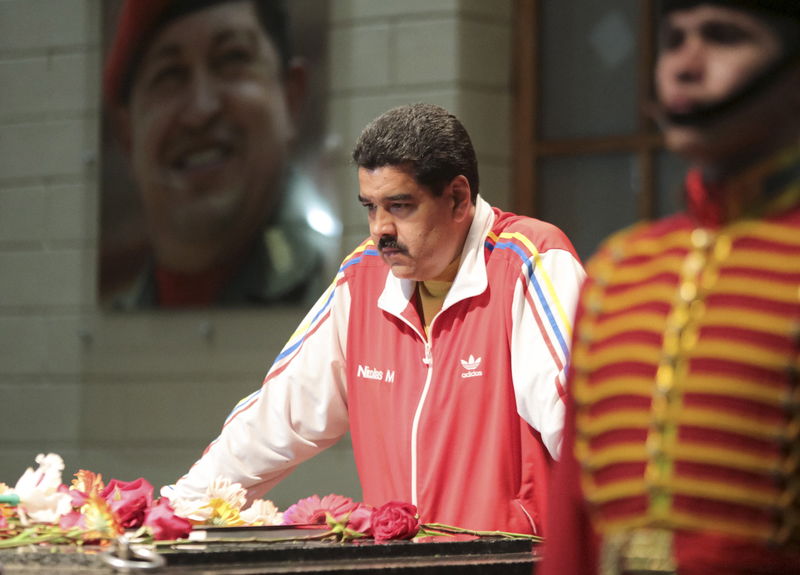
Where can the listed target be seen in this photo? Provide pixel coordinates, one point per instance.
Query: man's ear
(462, 197)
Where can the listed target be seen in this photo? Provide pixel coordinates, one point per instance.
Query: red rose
(129, 500)
(394, 520)
(164, 524)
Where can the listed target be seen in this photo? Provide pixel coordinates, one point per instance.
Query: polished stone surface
(440, 556)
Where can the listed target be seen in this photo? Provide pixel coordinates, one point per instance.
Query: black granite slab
(487, 556)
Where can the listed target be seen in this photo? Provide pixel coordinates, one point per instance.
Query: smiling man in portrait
(206, 98)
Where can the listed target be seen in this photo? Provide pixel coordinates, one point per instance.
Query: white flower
(199, 509)
(40, 499)
(230, 493)
(262, 512)
(193, 509)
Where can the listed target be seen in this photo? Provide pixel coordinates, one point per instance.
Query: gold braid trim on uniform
(627, 386)
(648, 270)
(636, 352)
(637, 296)
(771, 323)
(759, 260)
(620, 418)
(733, 351)
(622, 489)
(780, 292)
(622, 453)
(713, 419)
(641, 321)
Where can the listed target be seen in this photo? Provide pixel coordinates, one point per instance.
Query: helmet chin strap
(715, 111)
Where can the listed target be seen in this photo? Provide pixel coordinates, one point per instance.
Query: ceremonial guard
(682, 443)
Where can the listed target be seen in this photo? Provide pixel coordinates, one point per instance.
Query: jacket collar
(767, 187)
(470, 279)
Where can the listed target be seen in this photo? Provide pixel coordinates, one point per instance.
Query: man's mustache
(390, 243)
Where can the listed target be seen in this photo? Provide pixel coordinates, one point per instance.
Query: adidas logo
(470, 363)
(470, 366)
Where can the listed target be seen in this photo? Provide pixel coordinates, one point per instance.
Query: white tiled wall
(131, 396)
(48, 143)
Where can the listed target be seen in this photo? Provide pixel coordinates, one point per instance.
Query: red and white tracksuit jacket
(462, 423)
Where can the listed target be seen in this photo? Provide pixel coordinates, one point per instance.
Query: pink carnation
(312, 510)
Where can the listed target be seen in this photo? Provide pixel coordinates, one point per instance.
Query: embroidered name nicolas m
(375, 374)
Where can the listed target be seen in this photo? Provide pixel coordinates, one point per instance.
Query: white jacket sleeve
(542, 314)
(300, 409)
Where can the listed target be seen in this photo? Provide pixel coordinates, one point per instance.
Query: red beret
(136, 22)
(139, 21)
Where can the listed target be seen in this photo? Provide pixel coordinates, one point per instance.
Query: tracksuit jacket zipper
(428, 361)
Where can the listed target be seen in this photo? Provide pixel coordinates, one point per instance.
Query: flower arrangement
(41, 509)
(395, 520)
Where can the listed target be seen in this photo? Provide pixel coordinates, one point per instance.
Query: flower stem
(30, 537)
(317, 537)
(504, 534)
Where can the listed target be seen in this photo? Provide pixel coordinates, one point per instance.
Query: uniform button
(688, 291)
(693, 263)
(665, 379)
(701, 238)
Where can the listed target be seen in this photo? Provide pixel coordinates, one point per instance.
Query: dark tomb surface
(445, 555)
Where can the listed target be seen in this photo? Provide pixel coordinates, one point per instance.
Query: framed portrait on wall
(213, 179)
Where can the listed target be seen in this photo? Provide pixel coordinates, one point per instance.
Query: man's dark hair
(273, 16)
(426, 140)
(783, 16)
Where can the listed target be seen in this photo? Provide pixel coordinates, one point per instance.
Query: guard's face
(707, 54)
(417, 234)
(209, 126)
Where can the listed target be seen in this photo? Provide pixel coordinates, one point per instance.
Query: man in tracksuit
(441, 345)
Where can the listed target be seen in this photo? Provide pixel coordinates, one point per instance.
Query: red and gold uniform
(682, 446)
